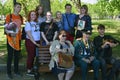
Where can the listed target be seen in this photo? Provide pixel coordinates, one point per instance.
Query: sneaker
(30, 74)
(18, 74)
(10, 76)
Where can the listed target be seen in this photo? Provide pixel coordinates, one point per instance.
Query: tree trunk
(46, 5)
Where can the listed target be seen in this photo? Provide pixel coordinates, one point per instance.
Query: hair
(101, 26)
(49, 12)
(37, 8)
(17, 3)
(61, 32)
(68, 5)
(29, 18)
(58, 12)
(85, 7)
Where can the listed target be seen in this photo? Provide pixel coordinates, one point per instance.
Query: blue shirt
(68, 21)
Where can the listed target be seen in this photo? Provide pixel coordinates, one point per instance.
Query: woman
(32, 39)
(58, 20)
(49, 30)
(85, 54)
(64, 46)
(83, 20)
(40, 14)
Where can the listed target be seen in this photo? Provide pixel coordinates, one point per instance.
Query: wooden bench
(43, 59)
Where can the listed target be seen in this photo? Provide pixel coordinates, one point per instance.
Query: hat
(86, 31)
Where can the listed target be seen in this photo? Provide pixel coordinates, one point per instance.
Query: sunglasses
(64, 36)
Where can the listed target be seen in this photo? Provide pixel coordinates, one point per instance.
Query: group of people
(63, 35)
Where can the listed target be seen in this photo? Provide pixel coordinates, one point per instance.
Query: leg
(16, 61)
(61, 76)
(103, 68)
(96, 64)
(9, 58)
(84, 67)
(30, 47)
(69, 74)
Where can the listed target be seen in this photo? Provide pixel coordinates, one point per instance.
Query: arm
(44, 37)
(71, 49)
(55, 36)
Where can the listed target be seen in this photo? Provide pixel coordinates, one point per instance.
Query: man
(68, 20)
(85, 54)
(104, 44)
(13, 40)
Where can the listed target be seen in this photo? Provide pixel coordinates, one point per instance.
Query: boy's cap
(86, 31)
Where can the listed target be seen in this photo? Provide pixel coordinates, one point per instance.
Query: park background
(105, 12)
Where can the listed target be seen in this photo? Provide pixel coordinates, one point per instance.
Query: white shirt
(34, 28)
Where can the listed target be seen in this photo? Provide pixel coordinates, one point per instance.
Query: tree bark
(46, 5)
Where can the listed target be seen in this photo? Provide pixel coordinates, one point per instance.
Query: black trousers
(12, 54)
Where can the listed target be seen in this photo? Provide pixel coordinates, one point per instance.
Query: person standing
(58, 20)
(13, 40)
(83, 20)
(85, 54)
(68, 20)
(103, 44)
(32, 41)
(40, 14)
(49, 30)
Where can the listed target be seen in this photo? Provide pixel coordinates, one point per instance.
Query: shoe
(10, 76)
(30, 74)
(18, 74)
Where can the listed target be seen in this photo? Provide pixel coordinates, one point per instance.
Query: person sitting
(65, 47)
(85, 54)
(104, 44)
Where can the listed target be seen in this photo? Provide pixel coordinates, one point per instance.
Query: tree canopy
(102, 9)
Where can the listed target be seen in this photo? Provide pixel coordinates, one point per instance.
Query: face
(101, 31)
(40, 10)
(59, 15)
(68, 9)
(86, 36)
(17, 8)
(83, 10)
(49, 16)
(33, 16)
(62, 37)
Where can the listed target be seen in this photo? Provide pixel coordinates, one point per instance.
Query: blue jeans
(84, 66)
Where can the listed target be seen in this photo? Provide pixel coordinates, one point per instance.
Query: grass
(112, 28)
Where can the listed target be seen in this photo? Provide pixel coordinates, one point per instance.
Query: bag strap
(49, 28)
(67, 21)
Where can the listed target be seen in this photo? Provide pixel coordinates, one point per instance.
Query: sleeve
(78, 50)
(114, 40)
(27, 26)
(76, 20)
(97, 44)
(55, 27)
(53, 47)
(89, 23)
(7, 20)
(42, 27)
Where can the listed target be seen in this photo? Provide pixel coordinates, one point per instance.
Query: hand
(47, 43)
(86, 60)
(92, 58)
(13, 34)
(38, 45)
